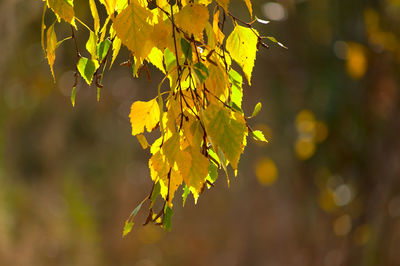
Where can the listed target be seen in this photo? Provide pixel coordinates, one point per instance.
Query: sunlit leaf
(185, 194)
(236, 90)
(144, 114)
(102, 49)
(87, 68)
(242, 46)
(127, 227)
(91, 44)
(218, 35)
(256, 110)
(194, 167)
(258, 135)
(63, 9)
(51, 48)
(143, 141)
(95, 15)
(192, 19)
(226, 131)
(249, 7)
(175, 181)
(116, 48)
(133, 30)
(129, 223)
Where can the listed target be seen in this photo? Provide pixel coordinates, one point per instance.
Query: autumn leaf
(194, 167)
(226, 131)
(51, 47)
(133, 30)
(144, 114)
(242, 46)
(175, 181)
(192, 19)
(95, 15)
(63, 9)
(249, 7)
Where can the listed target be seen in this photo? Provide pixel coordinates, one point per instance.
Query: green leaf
(186, 49)
(170, 59)
(202, 67)
(212, 173)
(236, 90)
(167, 218)
(73, 94)
(127, 228)
(258, 135)
(155, 194)
(200, 75)
(226, 131)
(102, 49)
(257, 109)
(201, 71)
(186, 192)
(242, 46)
(129, 222)
(87, 68)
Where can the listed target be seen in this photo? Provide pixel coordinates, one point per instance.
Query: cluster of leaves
(202, 125)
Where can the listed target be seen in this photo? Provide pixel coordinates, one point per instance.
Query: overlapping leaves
(200, 119)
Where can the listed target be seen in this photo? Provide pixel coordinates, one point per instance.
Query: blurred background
(325, 191)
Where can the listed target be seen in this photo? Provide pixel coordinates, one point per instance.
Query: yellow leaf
(51, 47)
(175, 181)
(162, 34)
(143, 141)
(43, 28)
(223, 3)
(242, 46)
(170, 148)
(219, 36)
(63, 9)
(217, 82)
(249, 7)
(156, 57)
(95, 15)
(192, 19)
(133, 30)
(110, 6)
(91, 44)
(116, 47)
(159, 169)
(144, 114)
(226, 130)
(194, 167)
